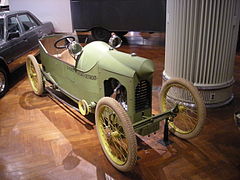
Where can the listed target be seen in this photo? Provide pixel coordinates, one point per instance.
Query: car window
(1, 29)
(33, 21)
(27, 22)
(13, 25)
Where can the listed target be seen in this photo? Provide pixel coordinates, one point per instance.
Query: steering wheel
(68, 40)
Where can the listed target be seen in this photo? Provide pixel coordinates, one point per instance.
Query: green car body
(99, 62)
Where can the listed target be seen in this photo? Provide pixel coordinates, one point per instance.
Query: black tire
(3, 82)
(192, 112)
(35, 75)
(121, 33)
(116, 134)
(100, 34)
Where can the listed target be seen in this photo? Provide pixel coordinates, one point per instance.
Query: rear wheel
(116, 134)
(192, 112)
(3, 82)
(35, 75)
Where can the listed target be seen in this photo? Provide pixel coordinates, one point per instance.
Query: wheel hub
(115, 134)
(181, 108)
(108, 133)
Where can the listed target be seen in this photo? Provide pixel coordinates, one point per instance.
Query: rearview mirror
(115, 41)
(12, 35)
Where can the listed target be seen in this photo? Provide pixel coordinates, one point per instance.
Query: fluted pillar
(201, 39)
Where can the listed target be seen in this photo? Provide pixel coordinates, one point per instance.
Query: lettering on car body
(87, 76)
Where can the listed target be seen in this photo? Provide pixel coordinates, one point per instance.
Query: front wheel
(116, 134)
(192, 111)
(35, 75)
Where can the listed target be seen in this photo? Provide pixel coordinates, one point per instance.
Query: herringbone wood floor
(41, 138)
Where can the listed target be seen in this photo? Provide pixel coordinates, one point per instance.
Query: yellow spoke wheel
(192, 112)
(34, 75)
(116, 134)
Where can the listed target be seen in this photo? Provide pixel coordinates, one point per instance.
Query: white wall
(56, 11)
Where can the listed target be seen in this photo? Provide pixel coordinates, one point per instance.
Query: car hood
(114, 61)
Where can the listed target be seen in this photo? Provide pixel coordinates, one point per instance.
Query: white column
(201, 39)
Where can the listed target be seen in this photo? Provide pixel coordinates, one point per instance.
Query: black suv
(19, 34)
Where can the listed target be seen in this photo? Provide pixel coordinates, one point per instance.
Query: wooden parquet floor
(40, 138)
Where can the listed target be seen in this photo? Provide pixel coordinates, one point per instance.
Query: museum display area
(88, 109)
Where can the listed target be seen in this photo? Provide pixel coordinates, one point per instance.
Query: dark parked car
(19, 34)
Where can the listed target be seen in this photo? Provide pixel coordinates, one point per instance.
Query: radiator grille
(143, 96)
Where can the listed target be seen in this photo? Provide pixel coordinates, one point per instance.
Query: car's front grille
(143, 96)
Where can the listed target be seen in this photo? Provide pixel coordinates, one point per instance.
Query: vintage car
(19, 34)
(117, 87)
